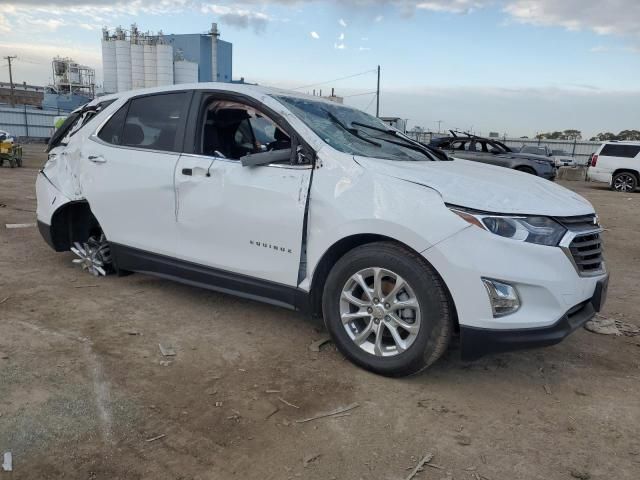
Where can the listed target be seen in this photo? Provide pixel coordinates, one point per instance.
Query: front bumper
(477, 342)
(554, 298)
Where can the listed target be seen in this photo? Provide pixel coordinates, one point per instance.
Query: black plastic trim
(45, 231)
(478, 342)
(133, 259)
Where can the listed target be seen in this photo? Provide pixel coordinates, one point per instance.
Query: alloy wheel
(380, 312)
(624, 183)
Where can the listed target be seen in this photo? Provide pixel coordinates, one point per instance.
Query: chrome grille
(584, 243)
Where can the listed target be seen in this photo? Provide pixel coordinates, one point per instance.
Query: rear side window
(149, 122)
(152, 121)
(112, 131)
(625, 151)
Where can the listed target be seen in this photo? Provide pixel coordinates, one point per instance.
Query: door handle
(187, 171)
(97, 159)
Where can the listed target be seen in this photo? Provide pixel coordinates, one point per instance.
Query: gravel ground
(84, 387)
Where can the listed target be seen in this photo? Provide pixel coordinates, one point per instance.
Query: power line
(360, 94)
(334, 80)
(370, 103)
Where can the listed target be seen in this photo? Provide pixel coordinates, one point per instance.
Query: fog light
(502, 296)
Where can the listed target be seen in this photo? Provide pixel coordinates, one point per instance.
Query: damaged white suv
(311, 205)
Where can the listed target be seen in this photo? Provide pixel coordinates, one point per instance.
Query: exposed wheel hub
(94, 255)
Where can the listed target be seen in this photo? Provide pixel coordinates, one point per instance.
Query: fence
(580, 149)
(27, 122)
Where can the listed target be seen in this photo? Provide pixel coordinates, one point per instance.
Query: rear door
(128, 171)
(243, 220)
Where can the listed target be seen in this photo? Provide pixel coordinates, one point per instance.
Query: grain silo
(133, 59)
(110, 72)
(137, 66)
(164, 66)
(123, 61)
(150, 65)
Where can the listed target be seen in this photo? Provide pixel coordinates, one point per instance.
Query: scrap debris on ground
(420, 466)
(7, 463)
(338, 411)
(317, 345)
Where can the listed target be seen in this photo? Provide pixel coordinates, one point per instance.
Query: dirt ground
(84, 388)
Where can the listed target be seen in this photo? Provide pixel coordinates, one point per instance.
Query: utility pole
(378, 95)
(439, 122)
(8, 58)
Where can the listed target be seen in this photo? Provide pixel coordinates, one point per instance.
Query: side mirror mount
(265, 158)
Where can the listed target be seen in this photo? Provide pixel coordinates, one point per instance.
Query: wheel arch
(526, 169)
(626, 170)
(72, 222)
(342, 247)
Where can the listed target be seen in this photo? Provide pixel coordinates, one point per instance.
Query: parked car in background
(560, 157)
(563, 159)
(616, 163)
(7, 137)
(326, 210)
(494, 152)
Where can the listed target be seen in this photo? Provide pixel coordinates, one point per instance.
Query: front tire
(387, 309)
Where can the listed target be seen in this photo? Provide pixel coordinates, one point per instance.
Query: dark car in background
(494, 152)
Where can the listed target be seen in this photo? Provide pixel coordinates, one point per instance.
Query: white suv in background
(617, 164)
(315, 206)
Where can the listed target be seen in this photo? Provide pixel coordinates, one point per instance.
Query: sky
(517, 67)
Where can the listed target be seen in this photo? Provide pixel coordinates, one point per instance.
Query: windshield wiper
(352, 131)
(406, 142)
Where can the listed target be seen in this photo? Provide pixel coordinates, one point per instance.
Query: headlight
(538, 230)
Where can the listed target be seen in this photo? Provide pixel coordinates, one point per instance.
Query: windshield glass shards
(355, 132)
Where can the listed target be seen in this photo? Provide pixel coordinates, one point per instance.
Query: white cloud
(341, 37)
(452, 6)
(364, 49)
(342, 23)
(339, 46)
(314, 35)
(611, 17)
(599, 49)
(379, 18)
(238, 17)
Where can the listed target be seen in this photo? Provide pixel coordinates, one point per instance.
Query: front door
(244, 220)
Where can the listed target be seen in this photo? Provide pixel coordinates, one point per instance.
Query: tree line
(571, 134)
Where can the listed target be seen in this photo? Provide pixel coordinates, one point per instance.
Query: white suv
(617, 164)
(315, 206)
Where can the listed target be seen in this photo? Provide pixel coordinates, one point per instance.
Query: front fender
(354, 201)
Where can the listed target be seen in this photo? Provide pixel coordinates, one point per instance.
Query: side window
(112, 130)
(152, 121)
(617, 150)
(232, 130)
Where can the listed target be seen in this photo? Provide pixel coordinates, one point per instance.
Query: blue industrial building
(198, 48)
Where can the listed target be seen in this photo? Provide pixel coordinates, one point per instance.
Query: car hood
(485, 187)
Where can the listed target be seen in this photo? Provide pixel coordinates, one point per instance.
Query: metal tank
(110, 72)
(137, 66)
(123, 64)
(185, 72)
(150, 66)
(164, 65)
